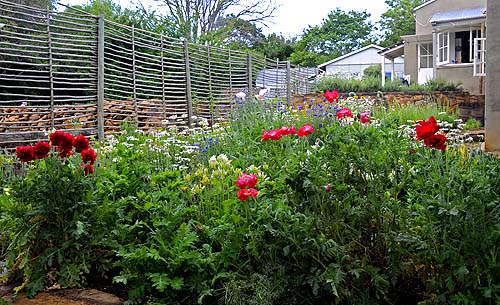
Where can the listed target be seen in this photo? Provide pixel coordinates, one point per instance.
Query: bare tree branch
(196, 18)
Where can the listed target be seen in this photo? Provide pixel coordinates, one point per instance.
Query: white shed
(353, 64)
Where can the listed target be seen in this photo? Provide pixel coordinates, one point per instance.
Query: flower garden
(344, 202)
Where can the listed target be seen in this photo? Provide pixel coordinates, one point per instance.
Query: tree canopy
(398, 20)
(340, 33)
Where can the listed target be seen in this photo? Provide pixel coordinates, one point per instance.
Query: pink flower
(331, 96)
(328, 187)
(344, 112)
(286, 130)
(305, 130)
(244, 194)
(246, 180)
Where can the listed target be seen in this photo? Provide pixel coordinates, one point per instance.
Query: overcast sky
(292, 16)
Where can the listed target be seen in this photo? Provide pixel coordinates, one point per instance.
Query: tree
(398, 20)
(197, 18)
(138, 17)
(235, 33)
(276, 46)
(43, 4)
(340, 33)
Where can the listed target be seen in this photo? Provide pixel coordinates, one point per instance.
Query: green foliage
(353, 213)
(52, 233)
(340, 33)
(373, 84)
(472, 124)
(398, 20)
(373, 71)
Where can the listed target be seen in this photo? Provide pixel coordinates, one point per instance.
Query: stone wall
(467, 106)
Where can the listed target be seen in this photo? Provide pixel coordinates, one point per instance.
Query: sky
(293, 16)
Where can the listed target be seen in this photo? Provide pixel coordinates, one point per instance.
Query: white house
(353, 64)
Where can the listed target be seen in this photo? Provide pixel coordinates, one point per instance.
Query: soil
(67, 297)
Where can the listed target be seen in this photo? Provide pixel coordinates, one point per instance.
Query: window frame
(442, 46)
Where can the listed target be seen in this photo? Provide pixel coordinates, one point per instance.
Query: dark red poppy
(80, 143)
(41, 150)
(426, 128)
(88, 155)
(25, 153)
(436, 141)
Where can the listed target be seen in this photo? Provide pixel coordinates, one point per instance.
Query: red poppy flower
(426, 128)
(80, 143)
(436, 141)
(88, 155)
(64, 153)
(57, 138)
(244, 194)
(41, 150)
(305, 130)
(265, 136)
(365, 117)
(246, 180)
(344, 112)
(25, 153)
(331, 96)
(274, 135)
(88, 169)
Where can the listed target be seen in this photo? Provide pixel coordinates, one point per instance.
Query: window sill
(455, 65)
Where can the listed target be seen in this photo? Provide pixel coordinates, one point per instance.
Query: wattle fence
(79, 72)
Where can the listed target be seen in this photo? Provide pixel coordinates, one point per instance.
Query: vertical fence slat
(288, 85)
(162, 58)
(100, 78)
(134, 78)
(250, 75)
(188, 84)
(51, 72)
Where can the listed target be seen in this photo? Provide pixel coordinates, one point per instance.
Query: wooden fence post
(188, 84)
(288, 85)
(250, 75)
(100, 78)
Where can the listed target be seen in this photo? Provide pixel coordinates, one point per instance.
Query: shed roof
(350, 54)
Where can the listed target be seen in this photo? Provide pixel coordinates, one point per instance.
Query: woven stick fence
(75, 71)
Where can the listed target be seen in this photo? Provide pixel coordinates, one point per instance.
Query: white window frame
(429, 55)
(472, 41)
(480, 57)
(445, 47)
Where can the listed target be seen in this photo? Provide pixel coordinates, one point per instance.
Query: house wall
(357, 63)
(424, 14)
(411, 60)
(492, 108)
(462, 73)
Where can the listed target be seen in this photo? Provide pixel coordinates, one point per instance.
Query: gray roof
(457, 15)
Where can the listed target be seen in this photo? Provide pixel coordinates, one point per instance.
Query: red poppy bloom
(80, 143)
(64, 153)
(426, 128)
(88, 155)
(246, 180)
(57, 138)
(365, 117)
(344, 112)
(25, 153)
(331, 96)
(265, 136)
(305, 130)
(88, 169)
(274, 135)
(244, 194)
(436, 141)
(41, 150)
